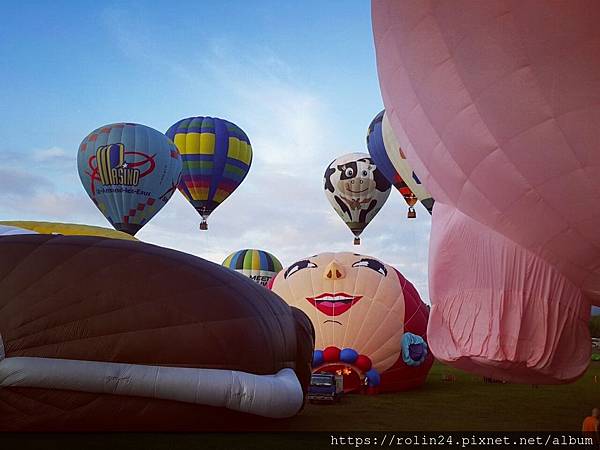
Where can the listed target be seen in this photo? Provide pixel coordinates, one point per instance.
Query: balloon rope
(414, 314)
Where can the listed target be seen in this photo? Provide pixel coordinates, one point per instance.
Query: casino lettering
(112, 166)
(121, 175)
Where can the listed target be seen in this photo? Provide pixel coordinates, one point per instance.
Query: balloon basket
(411, 213)
(356, 241)
(203, 225)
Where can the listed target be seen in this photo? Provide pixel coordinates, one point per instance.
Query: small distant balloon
(379, 153)
(258, 265)
(356, 189)
(216, 158)
(129, 171)
(401, 165)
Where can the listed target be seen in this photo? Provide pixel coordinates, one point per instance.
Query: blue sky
(299, 77)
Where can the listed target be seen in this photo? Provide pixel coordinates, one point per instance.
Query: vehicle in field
(325, 387)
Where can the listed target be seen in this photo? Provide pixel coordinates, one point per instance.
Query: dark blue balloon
(373, 377)
(318, 358)
(377, 151)
(348, 355)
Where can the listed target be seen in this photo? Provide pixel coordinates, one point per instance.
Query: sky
(299, 78)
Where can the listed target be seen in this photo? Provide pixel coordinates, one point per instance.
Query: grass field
(466, 404)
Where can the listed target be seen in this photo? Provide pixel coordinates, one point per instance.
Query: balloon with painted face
(370, 322)
(356, 189)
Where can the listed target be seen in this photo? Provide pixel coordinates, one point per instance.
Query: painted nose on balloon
(333, 271)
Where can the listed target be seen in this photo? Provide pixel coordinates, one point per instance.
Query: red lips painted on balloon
(334, 304)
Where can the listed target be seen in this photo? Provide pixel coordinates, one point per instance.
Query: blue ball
(348, 355)
(317, 358)
(373, 377)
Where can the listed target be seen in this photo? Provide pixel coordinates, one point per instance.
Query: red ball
(363, 363)
(331, 354)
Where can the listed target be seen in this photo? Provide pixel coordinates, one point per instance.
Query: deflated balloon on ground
(107, 334)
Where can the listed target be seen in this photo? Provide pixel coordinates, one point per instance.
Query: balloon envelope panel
(91, 300)
(496, 106)
(129, 171)
(68, 229)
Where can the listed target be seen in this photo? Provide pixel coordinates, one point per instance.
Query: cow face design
(357, 181)
(355, 189)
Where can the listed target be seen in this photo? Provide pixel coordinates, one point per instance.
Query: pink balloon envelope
(496, 105)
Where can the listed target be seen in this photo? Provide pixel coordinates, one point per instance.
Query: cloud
(127, 29)
(28, 191)
(286, 122)
(18, 182)
(52, 154)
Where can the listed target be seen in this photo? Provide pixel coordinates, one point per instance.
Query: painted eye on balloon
(372, 264)
(365, 173)
(304, 264)
(349, 172)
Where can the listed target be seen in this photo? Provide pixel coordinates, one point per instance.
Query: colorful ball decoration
(348, 355)
(318, 358)
(373, 378)
(363, 362)
(331, 354)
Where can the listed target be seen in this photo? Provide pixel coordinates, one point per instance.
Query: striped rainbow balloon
(258, 265)
(216, 158)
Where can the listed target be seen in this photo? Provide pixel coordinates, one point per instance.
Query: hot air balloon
(129, 171)
(258, 265)
(370, 322)
(495, 105)
(376, 143)
(216, 158)
(67, 229)
(113, 335)
(356, 189)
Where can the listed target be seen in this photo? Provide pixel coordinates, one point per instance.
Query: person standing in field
(590, 425)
